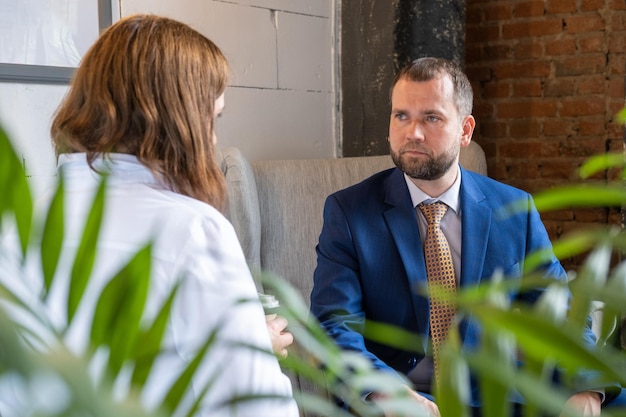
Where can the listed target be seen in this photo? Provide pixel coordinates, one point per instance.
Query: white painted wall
(281, 100)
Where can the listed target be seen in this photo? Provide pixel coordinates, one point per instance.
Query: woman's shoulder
(193, 211)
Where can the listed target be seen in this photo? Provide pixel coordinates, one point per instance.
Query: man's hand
(425, 402)
(586, 403)
(280, 338)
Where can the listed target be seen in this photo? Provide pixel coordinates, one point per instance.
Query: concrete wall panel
(246, 35)
(303, 64)
(274, 124)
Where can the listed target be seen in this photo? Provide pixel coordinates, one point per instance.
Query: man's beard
(431, 169)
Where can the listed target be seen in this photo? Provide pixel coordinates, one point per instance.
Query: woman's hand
(430, 406)
(280, 338)
(587, 403)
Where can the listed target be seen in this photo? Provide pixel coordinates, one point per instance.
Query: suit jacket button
(413, 361)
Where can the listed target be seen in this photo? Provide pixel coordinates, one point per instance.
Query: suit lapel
(402, 222)
(476, 223)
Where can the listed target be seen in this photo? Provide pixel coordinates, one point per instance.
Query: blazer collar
(402, 223)
(476, 216)
(476, 223)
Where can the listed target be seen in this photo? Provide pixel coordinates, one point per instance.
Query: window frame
(47, 74)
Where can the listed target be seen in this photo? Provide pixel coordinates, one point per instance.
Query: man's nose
(415, 131)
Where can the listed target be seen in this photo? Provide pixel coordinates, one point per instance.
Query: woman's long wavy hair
(148, 87)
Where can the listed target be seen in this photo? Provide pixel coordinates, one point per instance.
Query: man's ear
(467, 130)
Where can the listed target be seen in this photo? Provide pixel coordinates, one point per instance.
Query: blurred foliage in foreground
(55, 382)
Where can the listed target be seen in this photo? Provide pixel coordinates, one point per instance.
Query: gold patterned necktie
(440, 272)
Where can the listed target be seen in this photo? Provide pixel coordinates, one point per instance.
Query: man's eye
(432, 119)
(400, 116)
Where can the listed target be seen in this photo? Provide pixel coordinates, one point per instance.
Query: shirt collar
(450, 197)
(119, 167)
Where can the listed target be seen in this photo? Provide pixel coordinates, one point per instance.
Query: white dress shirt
(194, 244)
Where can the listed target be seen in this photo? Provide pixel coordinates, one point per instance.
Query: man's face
(426, 131)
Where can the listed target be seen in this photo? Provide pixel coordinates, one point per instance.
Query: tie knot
(433, 212)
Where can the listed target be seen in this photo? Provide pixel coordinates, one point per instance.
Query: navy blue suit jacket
(370, 259)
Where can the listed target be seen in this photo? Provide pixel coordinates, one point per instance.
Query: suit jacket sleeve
(336, 299)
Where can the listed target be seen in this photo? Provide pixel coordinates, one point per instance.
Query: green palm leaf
(177, 392)
(16, 196)
(601, 162)
(86, 254)
(527, 384)
(453, 377)
(583, 195)
(53, 234)
(120, 308)
(541, 339)
(149, 342)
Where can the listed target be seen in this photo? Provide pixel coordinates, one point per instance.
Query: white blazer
(193, 243)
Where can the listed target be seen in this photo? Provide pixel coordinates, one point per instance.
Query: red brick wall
(548, 79)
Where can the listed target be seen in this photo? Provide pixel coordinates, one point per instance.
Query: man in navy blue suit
(370, 251)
